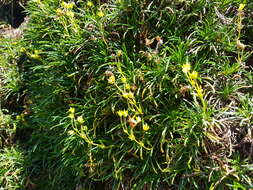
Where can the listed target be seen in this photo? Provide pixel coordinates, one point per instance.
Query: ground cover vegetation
(12, 161)
(131, 94)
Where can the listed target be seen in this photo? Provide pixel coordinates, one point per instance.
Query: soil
(12, 13)
(13, 19)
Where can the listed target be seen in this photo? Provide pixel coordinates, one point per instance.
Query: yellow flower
(84, 128)
(72, 110)
(71, 115)
(241, 7)
(59, 12)
(111, 79)
(90, 4)
(123, 80)
(36, 1)
(82, 135)
(22, 50)
(119, 53)
(67, 5)
(128, 95)
(122, 113)
(80, 120)
(186, 68)
(35, 56)
(145, 127)
(70, 14)
(125, 95)
(127, 86)
(125, 113)
(194, 75)
(70, 5)
(100, 14)
(18, 117)
(37, 51)
(63, 4)
(193, 82)
(200, 92)
(240, 45)
(71, 132)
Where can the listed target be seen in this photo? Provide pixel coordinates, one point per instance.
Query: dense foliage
(135, 95)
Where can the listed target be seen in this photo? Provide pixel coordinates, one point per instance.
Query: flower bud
(145, 127)
(240, 45)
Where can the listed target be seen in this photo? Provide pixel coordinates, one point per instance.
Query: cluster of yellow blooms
(241, 7)
(239, 44)
(37, 1)
(71, 113)
(99, 13)
(111, 79)
(122, 113)
(240, 14)
(21, 117)
(69, 5)
(90, 4)
(35, 54)
(80, 120)
(66, 9)
(192, 78)
(191, 75)
(127, 94)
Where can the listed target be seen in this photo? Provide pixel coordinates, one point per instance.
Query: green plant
(10, 81)
(122, 94)
(7, 129)
(11, 168)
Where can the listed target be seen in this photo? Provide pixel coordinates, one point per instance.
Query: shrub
(139, 94)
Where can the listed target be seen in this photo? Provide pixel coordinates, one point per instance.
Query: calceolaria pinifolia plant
(138, 94)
